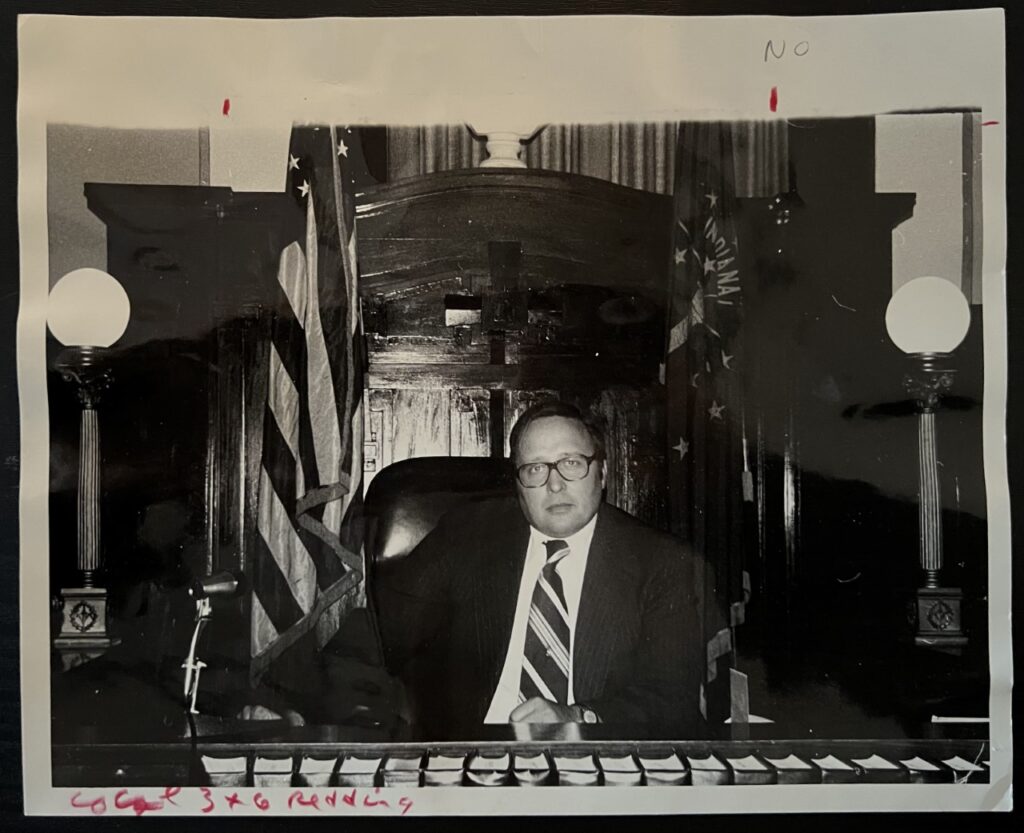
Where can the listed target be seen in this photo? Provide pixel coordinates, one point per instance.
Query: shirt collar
(579, 542)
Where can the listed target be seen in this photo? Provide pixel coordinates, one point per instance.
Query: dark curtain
(413, 151)
(635, 155)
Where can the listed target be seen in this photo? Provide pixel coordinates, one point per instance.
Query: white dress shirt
(571, 570)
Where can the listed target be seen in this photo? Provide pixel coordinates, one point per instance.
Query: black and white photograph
(385, 456)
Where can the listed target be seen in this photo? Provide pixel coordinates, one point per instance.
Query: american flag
(707, 473)
(307, 568)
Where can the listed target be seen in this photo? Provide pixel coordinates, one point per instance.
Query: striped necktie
(546, 652)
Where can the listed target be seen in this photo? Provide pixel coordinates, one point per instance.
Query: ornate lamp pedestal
(936, 613)
(83, 632)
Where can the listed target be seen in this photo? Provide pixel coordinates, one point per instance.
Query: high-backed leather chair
(404, 503)
(407, 499)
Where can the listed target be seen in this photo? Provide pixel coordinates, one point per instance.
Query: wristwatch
(587, 714)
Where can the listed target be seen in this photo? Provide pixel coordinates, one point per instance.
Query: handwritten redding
(204, 800)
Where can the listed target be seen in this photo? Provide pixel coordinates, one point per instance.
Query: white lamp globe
(88, 308)
(928, 315)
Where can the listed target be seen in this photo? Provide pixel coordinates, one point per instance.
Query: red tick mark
(773, 100)
(227, 106)
(988, 123)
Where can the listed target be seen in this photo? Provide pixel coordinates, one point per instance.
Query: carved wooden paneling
(579, 374)
(581, 265)
(573, 229)
(648, 459)
(470, 421)
(225, 465)
(257, 380)
(425, 350)
(379, 428)
(442, 376)
(618, 410)
(422, 423)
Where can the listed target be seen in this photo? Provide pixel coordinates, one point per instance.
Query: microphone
(221, 585)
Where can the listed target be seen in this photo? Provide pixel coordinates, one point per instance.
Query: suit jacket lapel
(600, 610)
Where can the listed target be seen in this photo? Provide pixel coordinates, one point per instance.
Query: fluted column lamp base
(936, 611)
(83, 630)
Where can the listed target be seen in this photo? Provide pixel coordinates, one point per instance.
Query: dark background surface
(10, 767)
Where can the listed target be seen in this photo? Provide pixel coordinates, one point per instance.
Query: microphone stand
(223, 584)
(192, 664)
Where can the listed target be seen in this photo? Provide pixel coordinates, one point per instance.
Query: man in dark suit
(549, 607)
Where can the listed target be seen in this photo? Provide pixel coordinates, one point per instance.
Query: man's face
(560, 507)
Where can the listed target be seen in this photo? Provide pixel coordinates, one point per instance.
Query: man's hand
(539, 710)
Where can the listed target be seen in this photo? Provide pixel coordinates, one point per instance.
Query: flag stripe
(344, 222)
(269, 585)
(287, 327)
(323, 408)
(283, 401)
(281, 471)
(323, 603)
(278, 462)
(263, 632)
(285, 545)
(289, 342)
(354, 464)
(290, 271)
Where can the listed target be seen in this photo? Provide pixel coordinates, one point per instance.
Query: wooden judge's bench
(568, 755)
(483, 291)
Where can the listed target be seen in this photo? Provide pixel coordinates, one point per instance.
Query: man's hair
(593, 425)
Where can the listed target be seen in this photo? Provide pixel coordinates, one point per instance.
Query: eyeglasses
(573, 467)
